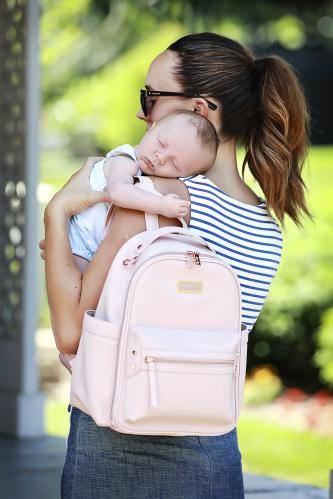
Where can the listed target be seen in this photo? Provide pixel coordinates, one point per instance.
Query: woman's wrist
(55, 211)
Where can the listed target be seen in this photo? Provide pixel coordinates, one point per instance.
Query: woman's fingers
(84, 171)
(76, 195)
(42, 246)
(91, 161)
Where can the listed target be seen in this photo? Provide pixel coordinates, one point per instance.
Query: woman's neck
(224, 173)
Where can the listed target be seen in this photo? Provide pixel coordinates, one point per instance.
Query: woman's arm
(69, 291)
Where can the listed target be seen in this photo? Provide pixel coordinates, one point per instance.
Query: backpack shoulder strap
(146, 184)
(151, 219)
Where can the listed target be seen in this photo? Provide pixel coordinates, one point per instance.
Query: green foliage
(98, 112)
(56, 418)
(285, 333)
(324, 355)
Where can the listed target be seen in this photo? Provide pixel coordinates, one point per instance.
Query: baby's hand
(172, 206)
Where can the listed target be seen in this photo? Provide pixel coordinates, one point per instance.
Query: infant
(181, 144)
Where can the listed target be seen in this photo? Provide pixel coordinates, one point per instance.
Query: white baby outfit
(86, 229)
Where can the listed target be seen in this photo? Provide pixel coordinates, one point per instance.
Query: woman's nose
(141, 116)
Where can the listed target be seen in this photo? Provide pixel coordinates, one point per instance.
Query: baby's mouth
(148, 163)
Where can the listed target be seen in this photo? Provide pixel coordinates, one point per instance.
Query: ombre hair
(262, 106)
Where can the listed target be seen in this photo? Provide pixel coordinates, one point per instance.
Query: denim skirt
(103, 463)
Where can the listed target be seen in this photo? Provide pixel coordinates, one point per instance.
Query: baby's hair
(205, 129)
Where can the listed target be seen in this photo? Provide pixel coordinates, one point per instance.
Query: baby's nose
(160, 158)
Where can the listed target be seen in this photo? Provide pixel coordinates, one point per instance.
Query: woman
(260, 104)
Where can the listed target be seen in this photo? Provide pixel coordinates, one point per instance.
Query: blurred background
(94, 56)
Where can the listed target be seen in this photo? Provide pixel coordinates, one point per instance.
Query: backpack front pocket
(184, 391)
(208, 370)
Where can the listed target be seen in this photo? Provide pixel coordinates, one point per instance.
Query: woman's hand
(42, 247)
(76, 195)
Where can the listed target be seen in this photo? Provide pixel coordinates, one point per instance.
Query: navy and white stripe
(246, 236)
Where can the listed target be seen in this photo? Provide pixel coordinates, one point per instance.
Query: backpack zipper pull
(197, 258)
(192, 257)
(152, 381)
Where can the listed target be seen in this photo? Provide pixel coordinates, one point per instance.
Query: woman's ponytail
(276, 146)
(262, 107)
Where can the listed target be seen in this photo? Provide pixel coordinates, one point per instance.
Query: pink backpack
(165, 352)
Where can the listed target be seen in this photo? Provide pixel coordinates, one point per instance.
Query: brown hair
(263, 108)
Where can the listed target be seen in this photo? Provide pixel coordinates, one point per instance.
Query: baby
(181, 144)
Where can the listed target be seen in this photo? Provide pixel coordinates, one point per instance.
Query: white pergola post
(21, 403)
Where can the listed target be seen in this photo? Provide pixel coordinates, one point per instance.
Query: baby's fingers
(182, 211)
(171, 196)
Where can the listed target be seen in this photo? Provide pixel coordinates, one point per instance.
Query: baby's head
(180, 144)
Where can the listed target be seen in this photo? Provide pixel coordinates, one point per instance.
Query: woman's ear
(200, 107)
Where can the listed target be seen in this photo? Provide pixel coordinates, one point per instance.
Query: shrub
(324, 355)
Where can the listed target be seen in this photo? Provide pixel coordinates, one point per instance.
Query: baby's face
(172, 149)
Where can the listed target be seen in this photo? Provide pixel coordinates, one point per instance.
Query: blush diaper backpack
(165, 351)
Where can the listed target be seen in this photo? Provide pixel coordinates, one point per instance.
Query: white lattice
(12, 169)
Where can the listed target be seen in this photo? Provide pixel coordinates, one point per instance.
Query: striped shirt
(246, 236)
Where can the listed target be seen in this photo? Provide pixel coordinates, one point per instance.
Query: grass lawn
(267, 448)
(270, 449)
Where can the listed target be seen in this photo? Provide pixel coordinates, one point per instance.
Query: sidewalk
(262, 487)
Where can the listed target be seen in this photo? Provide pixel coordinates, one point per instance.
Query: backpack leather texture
(165, 351)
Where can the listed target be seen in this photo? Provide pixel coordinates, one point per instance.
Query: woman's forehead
(160, 75)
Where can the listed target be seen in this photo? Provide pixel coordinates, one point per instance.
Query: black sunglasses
(156, 93)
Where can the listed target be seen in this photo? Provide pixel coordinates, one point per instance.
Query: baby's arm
(119, 172)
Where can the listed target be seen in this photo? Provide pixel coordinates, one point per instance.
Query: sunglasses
(146, 104)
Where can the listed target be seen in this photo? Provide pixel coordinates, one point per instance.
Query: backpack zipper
(151, 361)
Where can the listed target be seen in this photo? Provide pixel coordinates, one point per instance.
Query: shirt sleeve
(124, 150)
(97, 177)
